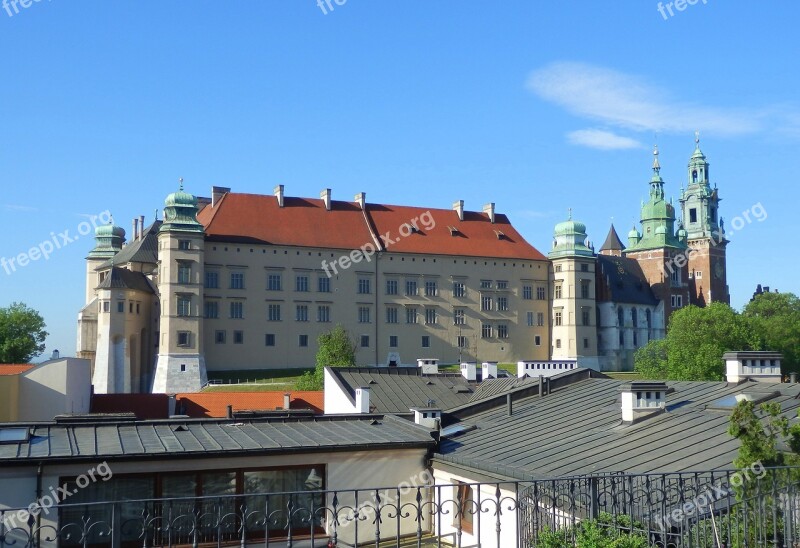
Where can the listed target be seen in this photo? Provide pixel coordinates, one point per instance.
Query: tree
(695, 342)
(22, 334)
(336, 349)
(775, 318)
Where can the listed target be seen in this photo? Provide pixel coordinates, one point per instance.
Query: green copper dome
(180, 198)
(108, 231)
(633, 234)
(180, 212)
(570, 240)
(570, 227)
(108, 241)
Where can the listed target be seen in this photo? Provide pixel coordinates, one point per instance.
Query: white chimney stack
(489, 210)
(488, 370)
(469, 371)
(325, 196)
(428, 417)
(279, 194)
(755, 366)
(362, 399)
(428, 366)
(287, 401)
(458, 207)
(642, 398)
(361, 200)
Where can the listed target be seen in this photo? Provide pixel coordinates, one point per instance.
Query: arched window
(621, 316)
(635, 317)
(649, 318)
(694, 176)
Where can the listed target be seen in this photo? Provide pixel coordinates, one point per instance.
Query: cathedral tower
(705, 234)
(180, 366)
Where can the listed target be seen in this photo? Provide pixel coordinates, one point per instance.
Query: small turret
(108, 241)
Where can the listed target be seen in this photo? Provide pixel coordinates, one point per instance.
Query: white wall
(54, 388)
(336, 400)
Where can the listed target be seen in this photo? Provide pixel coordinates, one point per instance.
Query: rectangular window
(486, 284)
(121, 308)
(677, 301)
(184, 245)
(426, 341)
(324, 284)
(502, 303)
(558, 291)
(585, 318)
(529, 317)
(462, 342)
(130, 308)
(211, 309)
(184, 306)
(392, 341)
(363, 314)
(430, 316)
(391, 314)
(558, 268)
(540, 293)
(237, 280)
(212, 280)
(184, 273)
(635, 340)
(502, 284)
(274, 282)
(302, 341)
(459, 289)
(692, 215)
(301, 313)
(391, 287)
(219, 337)
(430, 288)
(502, 331)
(558, 318)
(558, 343)
(622, 339)
(184, 338)
(464, 500)
(537, 340)
(364, 286)
(137, 308)
(540, 319)
(411, 287)
(238, 337)
(698, 274)
(459, 316)
(527, 292)
(323, 313)
(584, 267)
(237, 310)
(486, 303)
(106, 306)
(486, 330)
(364, 341)
(301, 283)
(274, 312)
(586, 343)
(411, 315)
(269, 339)
(585, 289)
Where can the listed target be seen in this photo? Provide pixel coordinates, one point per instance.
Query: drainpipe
(39, 474)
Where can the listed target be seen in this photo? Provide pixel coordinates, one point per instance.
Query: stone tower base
(179, 373)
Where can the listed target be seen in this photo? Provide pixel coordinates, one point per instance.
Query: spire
(570, 213)
(656, 165)
(612, 243)
(180, 181)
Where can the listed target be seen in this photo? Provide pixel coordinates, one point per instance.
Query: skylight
(14, 435)
(729, 402)
(456, 430)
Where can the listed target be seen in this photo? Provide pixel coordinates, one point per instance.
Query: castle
(248, 282)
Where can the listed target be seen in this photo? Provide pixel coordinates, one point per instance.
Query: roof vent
(469, 370)
(642, 398)
(500, 235)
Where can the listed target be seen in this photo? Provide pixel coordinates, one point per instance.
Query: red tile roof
(305, 222)
(215, 404)
(15, 368)
(144, 406)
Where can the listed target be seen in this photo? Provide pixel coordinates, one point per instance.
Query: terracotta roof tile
(15, 368)
(215, 404)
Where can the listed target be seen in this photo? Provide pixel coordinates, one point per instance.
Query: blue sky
(536, 106)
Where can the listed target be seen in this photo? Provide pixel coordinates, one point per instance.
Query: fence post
(594, 502)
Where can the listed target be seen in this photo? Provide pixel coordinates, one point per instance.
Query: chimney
(754, 366)
(361, 199)
(217, 192)
(135, 229)
(230, 412)
(541, 386)
(793, 377)
(469, 371)
(141, 226)
(362, 399)
(428, 366)
(325, 196)
(489, 370)
(642, 398)
(279, 194)
(55, 355)
(489, 210)
(458, 207)
(427, 416)
(509, 405)
(287, 401)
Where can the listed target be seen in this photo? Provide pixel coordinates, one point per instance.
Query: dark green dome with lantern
(570, 240)
(180, 212)
(108, 241)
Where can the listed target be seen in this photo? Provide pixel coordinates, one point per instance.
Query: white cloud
(602, 140)
(629, 102)
(15, 207)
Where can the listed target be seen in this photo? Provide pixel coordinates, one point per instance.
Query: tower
(704, 233)
(180, 366)
(659, 250)
(574, 319)
(108, 242)
(613, 245)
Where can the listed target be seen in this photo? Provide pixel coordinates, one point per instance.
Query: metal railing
(702, 510)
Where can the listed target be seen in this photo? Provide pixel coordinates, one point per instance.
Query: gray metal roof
(397, 389)
(144, 250)
(578, 429)
(624, 281)
(184, 438)
(120, 278)
(494, 387)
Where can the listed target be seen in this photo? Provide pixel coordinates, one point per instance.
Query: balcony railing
(755, 508)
